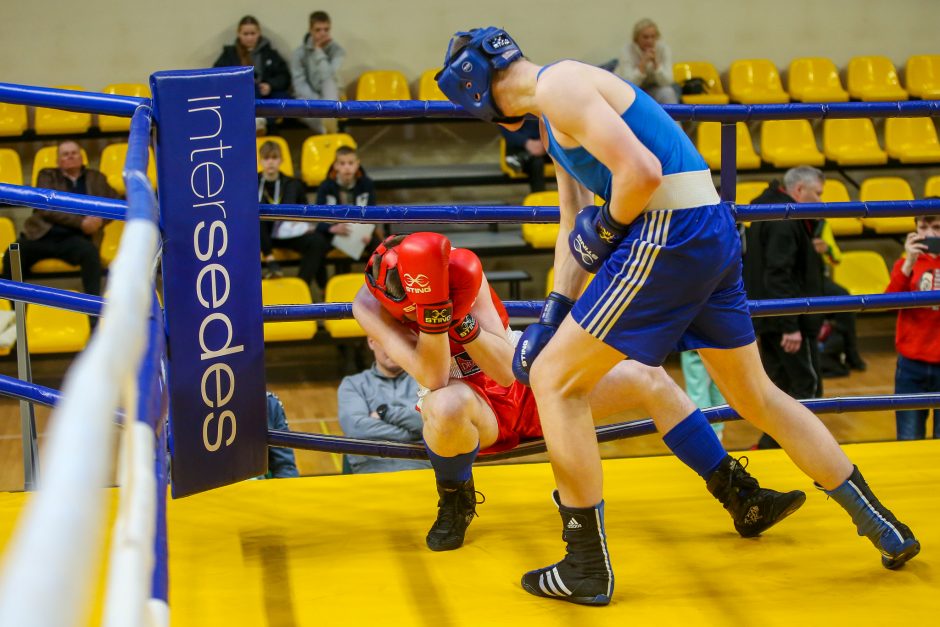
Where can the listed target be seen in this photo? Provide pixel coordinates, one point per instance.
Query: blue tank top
(651, 125)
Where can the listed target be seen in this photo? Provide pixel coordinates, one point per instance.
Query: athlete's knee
(551, 377)
(448, 409)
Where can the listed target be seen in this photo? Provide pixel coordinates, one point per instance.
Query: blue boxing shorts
(674, 283)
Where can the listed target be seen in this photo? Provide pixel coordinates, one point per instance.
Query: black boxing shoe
(456, 507)
(753, 508)
(585, 575)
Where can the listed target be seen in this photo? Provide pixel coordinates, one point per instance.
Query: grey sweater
(361, 394)
(315, 71)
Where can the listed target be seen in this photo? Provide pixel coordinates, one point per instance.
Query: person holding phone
(918, 332)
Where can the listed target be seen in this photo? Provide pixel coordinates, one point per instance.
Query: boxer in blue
(667, 260)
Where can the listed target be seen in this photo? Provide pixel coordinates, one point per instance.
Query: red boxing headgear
(383, 281)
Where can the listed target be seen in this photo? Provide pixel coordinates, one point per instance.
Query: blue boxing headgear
(467, 76)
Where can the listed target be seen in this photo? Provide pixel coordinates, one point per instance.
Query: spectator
(281, 464)
(700, 387)
(918, 330)
(272, 76)
(647, 63)
(347, 184)
(276, 188)
(781, 261)
(526, 153)
(66, 236)
(315, 65)
(838, 338)
(379, 404)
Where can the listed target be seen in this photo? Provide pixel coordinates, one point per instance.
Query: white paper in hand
(352, 243)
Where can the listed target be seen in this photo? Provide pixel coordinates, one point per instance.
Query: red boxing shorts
(515, 409)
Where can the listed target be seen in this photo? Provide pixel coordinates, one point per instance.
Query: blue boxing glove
(535, 338)
(595, 236)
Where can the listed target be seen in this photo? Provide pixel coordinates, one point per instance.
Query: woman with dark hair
(272, 76)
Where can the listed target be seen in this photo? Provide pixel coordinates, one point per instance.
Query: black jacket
(270, 66)
(328, 193)
(780, 262)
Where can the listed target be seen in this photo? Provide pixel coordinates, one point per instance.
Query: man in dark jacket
(780, 261)
(67, 236)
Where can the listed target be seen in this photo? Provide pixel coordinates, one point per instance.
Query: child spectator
(315, 65)
(281, 463)
(276, 188)
(272, 76)
(918, 330)
(347, 184)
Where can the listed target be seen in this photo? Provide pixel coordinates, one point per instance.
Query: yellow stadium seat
(513, 174)
(52, 330)
(7, 237)
(683, 71)
(12, 119)
(113, 123)
(53, 266)
(835, 191)
(342, 288)
(540, 235)
(862, 272)
(745, 192)
(912, 140)
(789, 143)
(318, 153)
(756, 81)
(887, 188)
(6, 305)
(922, 76)
(58, 122)
(287, 291)
(11, 170)
(110, 240)
(852, 142)
(287, 164)
(382, 85)
(708, 142)
(112, 166)
(815, 79)
(874, 79)
(427, 86)
(47, 157)
(932, 187)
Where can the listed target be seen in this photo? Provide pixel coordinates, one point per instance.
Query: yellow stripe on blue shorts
(631, 277)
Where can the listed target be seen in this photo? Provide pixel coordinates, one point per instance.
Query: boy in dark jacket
(347, 184)
(781, 261)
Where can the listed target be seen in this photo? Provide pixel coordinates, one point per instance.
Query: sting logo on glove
(587, 257)
(437, 316)
(418, 284)
(606, 234)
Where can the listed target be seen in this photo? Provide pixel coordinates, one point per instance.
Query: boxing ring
(305, 551)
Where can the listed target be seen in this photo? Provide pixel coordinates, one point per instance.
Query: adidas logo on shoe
(574, 524)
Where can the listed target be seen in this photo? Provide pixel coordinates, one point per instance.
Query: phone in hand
(932, 244)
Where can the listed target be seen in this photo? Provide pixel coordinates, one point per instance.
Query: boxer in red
(432, 311)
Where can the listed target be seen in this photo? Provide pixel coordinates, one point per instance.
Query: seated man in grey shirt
(379, 404)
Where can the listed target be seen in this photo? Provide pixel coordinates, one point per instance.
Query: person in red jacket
(917, 338)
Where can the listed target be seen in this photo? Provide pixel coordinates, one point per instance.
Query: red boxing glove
(465, 330)
(466, 275)
(423, 260)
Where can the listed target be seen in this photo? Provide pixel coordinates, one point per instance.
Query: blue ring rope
(605, 433)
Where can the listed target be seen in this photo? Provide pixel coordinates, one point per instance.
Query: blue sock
(695, 443)
(458, 468)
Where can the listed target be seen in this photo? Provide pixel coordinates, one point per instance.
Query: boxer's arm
(569, 276)
(426, 357)
(491, 350)
(577, 109)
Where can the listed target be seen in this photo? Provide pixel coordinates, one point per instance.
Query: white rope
(48, 569)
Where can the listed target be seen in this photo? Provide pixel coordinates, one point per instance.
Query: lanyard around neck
(277, 192)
